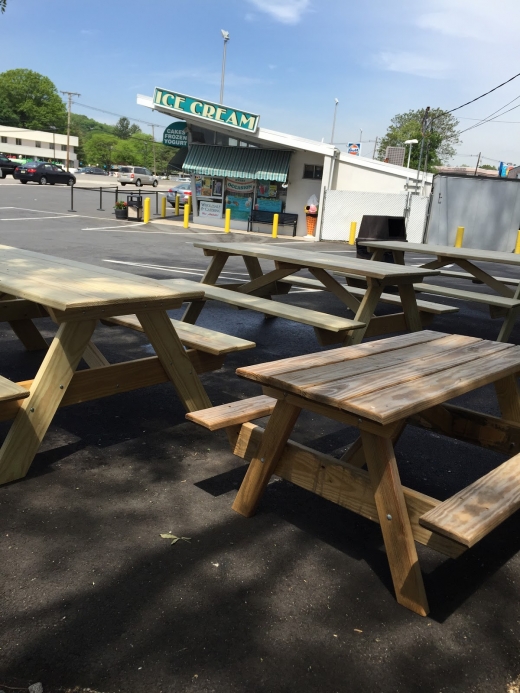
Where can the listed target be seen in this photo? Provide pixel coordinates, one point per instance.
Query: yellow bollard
(275, 225)
(176, 205)
(146, 211)
(187, 215)
(517, 246)
(163, 207)
(459, 237)
(352, 237)
(227, 226)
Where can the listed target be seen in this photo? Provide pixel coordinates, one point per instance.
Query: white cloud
(284, 11)
(412, 64)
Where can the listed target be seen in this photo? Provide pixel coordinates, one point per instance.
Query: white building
(281, 177)
(20, 143)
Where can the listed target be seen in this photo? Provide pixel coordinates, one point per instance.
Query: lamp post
(225, 36)
(53, 128)
(410, 142)
(336, 101)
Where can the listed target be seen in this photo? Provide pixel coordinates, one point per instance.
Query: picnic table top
(448, 251)
(332, 263)
(391, 379)
(66, 285)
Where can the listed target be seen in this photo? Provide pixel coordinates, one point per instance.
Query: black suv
(6, 166)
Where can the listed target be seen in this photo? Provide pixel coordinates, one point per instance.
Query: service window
(314, 172)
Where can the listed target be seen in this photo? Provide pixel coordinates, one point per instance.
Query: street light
(334, 121)
(225, 36)
(410, 142)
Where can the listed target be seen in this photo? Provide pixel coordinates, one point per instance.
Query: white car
(138, 175)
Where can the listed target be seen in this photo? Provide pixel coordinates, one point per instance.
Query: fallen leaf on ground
(174, 538)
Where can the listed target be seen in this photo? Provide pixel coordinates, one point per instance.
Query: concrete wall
(300, 188)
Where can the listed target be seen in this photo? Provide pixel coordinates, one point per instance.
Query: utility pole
(153, 135)
(375, 147)
(478, 162)
(70, 94)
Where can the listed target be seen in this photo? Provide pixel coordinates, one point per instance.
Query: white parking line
(183, 270)
(105, 228)
(62, 216)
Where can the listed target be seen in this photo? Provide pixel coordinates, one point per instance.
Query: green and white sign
(176, 135)
(206, 110)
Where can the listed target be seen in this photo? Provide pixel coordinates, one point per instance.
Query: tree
(134, 129)
(30, 100)
(488, 167)
(98, 149)
(3, 3)
(124, 130)
(125, 152)
(440, 136)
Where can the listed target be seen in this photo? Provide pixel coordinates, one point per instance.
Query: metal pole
(154, 164)
(375, 148)
(72, 199)
(117, 194)
(156, 203)
(226, 39)
(478, 162)
(100, 200)
(334, 121)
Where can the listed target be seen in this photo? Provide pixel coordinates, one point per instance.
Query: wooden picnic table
(289, 261)
(504, 302)
(379, 387)
(76, 296)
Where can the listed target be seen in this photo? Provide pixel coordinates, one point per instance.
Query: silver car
(137, 175)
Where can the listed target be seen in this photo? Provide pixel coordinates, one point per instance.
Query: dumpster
(135, 207)
(379, 228)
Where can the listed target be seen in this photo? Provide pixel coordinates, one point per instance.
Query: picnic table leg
(410, 309)
(365, 312)
(47, 390)
(172, 355)
(28, 334)
(395, 523)
(262, 466)
(508, 324)
(211, 276)
(508, 398)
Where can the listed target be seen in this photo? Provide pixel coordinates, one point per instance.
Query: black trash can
(135, 207)
(379, 228)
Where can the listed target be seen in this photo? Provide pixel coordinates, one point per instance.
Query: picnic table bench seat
(193, 336)
(475, 296)
(328, 328)
(10, 391)
(233, 413)
(467, 275)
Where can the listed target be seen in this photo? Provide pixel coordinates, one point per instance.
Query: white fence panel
(341, 207)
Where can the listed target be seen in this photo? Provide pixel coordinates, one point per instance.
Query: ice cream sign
(182, 105)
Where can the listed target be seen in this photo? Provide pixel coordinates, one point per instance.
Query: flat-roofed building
(20, 143)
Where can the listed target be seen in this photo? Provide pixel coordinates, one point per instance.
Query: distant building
(467, 171)
(20, 143)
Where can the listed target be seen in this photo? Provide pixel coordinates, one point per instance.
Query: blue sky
(287, 60)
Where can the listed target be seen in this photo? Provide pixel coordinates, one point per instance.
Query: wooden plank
(20, 309)
(508, 398)
(37, 410)
(449, 251)
(395, 523)
(341, 292)
(10, 391)
(176, 363)
(343, 484)
(508, 324)
(337, 372)
(396, 322)
(475, 511)
(28, 334)
(233, 413)
(194, 336)
(261, 372)
(486, 278)
(102, 312)
(365, 311)
(403, 400)
(466, 275)
(470, 426)
(331, 263)
(262, 466)
(93, 356)
(265, 279)
(410, 309)
(463, 295)
(341, 389)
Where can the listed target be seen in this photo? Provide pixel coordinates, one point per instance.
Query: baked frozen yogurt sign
(181, 104)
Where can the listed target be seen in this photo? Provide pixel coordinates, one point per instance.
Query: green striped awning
(238, 162)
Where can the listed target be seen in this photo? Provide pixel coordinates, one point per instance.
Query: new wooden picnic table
(76, 296)
(287, 261)
(504, 302)
(379, 387)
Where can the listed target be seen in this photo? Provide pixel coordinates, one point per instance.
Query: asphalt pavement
(296, 599)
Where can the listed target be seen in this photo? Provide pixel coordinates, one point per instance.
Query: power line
(479, 97)
(118, 115)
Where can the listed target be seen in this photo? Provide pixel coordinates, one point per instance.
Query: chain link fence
(341, 207)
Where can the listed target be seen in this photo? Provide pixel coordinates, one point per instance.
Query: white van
(138, 175)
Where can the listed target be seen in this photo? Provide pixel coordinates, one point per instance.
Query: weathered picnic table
(504, 302)
(256, 294)
(379, 387)
(76, 296)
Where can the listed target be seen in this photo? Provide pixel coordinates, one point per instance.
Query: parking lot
(297, 598)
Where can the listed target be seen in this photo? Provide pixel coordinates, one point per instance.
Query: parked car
(138, 175)
(7, 166)
(93, 170)
(39, 172)
(184, 192)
